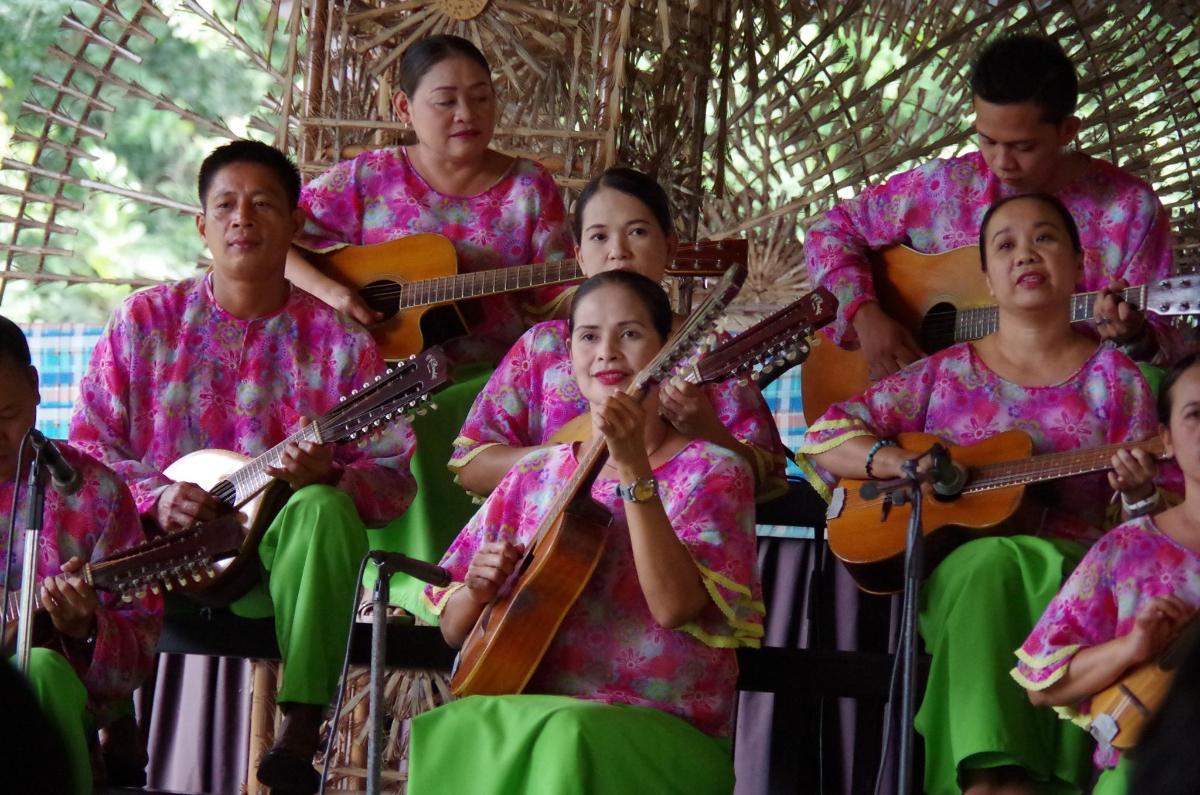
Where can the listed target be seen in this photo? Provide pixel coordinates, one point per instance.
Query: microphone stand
(386, 564)
(907, 489)
(35, 491)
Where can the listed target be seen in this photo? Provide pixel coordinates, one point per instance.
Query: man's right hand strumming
(886, 345)
(182, 505)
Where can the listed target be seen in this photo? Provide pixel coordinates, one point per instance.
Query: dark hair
(14, 347)
(250, 152)
(1168, 385)
(630, 181)
(428, 53)
(1023, 67)
(648, 291)
(1044, 198)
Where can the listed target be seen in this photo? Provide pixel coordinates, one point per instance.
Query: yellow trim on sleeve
(436, 609)
(814, 480)
(1038, 663)
(743, 633)
(457, 462)
(829, 444)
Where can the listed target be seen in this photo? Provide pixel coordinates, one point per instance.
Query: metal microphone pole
(913, 565)
(35, 493)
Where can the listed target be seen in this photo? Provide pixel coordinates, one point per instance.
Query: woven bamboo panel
(758, 114)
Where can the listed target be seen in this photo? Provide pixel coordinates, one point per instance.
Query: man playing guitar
(102, 647)
(239, 359)
(1025, 93)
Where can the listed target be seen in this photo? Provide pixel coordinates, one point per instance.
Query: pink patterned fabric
(379, 196)
(609, 648)
(957, 398)
(95, 522)
(938, 206)
(532, 394)
(174, 373)
(1130, 565)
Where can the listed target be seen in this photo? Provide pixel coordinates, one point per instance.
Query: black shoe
(288, 773)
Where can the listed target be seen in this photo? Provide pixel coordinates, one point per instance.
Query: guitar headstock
(183, 557)
(696, 328)
(402, 390)
(774, 343)
(1177, 295)
(709, 257)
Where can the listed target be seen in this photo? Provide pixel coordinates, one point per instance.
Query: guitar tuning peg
(210, 573)
(140, 593)
(154, 589)
(389, 371)
(412, 357)
(389, 415)
(342, 399)
(197, 576)
(183, 579)
(126, 597)
(378, 378)
(421, 412)
(353, 435)
(432, 406)
(377, 423)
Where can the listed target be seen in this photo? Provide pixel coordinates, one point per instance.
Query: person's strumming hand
(886, 345)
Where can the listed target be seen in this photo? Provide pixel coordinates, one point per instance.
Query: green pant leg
(312, 552)
(63, 698)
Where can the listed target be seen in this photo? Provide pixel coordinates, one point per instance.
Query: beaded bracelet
(875, 448)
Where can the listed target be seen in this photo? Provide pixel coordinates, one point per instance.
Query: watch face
(644, 490)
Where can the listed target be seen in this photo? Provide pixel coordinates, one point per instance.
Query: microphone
(63, 477)
(426, 572)
(947, 478)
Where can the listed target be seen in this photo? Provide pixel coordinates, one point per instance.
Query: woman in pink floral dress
(498, 211)
(1067, 391)
(636, 689)
(622, 222)
(1126, 600)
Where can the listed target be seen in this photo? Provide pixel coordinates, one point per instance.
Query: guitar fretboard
(1050, 466)
(443, 289)
(971, 324)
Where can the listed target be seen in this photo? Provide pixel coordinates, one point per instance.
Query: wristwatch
(640, 490)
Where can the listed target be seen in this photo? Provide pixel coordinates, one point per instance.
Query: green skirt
(501, 745)
(977, 608)
(1114, 780)
(441, 508)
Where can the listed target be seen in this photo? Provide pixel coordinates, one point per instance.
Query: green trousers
(61, 695)
(1114, 780)
(311, 553)
(977, 608)
(497, 745)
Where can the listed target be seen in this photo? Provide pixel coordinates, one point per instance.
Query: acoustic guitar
(868, 535)
(943, 299)
(769, 347)
(516, 628)
(406, 277)
(179, 559)
(1119, 712)
(242, 484)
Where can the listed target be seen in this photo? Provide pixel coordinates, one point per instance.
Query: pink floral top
(609, 647)
(1130, 565)
(954, 396)
(174, 373)
(938, 206)
(95, 522)
(379, 196)
(532, 394)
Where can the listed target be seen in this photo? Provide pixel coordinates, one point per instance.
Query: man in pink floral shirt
(103, 646)
(238, 359)
(1025, 91)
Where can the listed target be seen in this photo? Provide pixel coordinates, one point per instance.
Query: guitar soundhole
(937, 328)
(382, 295)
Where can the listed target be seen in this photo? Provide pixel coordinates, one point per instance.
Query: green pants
(977, 608)
(61, 695)
(311, 553)
(496, 745)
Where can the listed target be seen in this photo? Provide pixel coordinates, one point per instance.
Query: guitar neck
(443, 289)
(12, 608)
(971, 324)
(253, 477)
(1051, 466)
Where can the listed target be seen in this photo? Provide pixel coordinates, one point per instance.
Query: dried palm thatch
(758, 114)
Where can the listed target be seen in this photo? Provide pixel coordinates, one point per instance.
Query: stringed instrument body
(1119, 713)
(513, 632)
(943, 299)
(869, 535)
(243, 484)
(407, 277)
